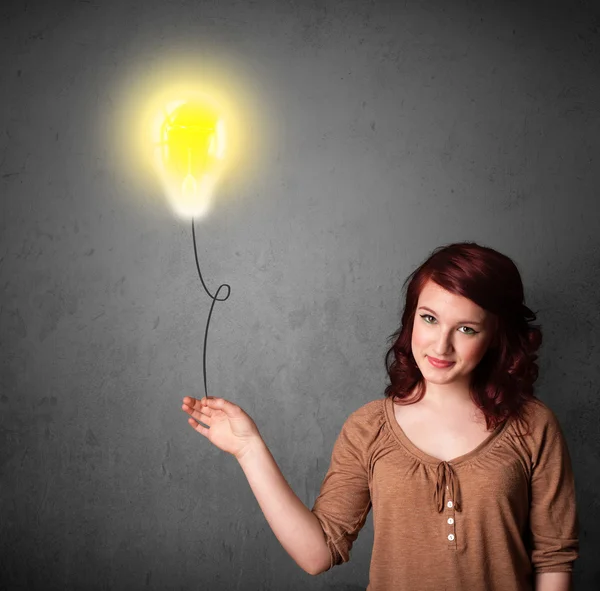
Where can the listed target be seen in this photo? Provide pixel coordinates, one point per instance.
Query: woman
(468, 474)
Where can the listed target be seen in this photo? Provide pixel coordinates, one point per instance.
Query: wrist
(250, 450)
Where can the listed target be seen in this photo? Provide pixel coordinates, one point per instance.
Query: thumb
(227, 407)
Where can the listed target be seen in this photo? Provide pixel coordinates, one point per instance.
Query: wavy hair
(503, 380)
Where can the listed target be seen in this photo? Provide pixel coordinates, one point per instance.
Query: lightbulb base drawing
(192, 198)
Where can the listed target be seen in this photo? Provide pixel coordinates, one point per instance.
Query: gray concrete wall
(385, 129)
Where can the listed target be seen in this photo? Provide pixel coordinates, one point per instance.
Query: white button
(450, 504)
(450, 520)
(451, 537)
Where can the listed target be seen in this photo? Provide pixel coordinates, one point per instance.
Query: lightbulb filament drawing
(189, 141)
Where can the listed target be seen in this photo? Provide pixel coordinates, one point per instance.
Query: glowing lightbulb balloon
(189, 149)
(189, 141)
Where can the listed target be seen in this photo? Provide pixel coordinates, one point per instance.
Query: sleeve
(553, 514)
(344, 500)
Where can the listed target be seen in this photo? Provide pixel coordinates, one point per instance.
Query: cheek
(475, 352)
(419, 338)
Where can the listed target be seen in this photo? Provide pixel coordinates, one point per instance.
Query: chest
(443, 436)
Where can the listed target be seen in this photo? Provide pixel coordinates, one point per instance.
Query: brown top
(488, 519)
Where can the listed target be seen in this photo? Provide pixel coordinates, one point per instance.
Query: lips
(439, 363)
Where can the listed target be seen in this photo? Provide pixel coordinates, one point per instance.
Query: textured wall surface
(390, 128)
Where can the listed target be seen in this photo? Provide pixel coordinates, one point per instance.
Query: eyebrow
(460, 321)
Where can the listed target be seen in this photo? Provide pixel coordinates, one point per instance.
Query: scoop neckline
(481, 449)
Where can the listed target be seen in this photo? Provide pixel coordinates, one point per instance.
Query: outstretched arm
(294, 525)
(231, 429)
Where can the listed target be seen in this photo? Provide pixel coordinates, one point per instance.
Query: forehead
(436, 297)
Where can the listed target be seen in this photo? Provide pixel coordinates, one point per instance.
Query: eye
(424, 316)
(469, 328)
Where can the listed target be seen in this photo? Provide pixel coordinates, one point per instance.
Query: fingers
(198, 410)
(198, 427)
(195, 403)
(227, 407)
(200, 416)
(204, 405)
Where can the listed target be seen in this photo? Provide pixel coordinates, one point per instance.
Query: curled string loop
(214, 298)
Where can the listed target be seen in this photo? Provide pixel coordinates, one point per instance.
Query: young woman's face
(452, 329)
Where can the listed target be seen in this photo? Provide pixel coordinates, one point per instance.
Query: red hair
(503, 380)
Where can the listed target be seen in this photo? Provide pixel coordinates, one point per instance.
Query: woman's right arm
(295, 526)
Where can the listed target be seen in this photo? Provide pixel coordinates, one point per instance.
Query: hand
(231, 429)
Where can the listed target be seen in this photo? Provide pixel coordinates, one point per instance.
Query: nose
(443, 347)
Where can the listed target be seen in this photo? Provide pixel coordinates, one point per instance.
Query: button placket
(450, 515)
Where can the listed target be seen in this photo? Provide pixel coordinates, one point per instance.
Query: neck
(447, 395)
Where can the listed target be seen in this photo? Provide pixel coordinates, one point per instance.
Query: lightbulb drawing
(189, 149)
(189, 141)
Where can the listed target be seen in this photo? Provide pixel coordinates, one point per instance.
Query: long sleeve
(344, 500)
(553, 513)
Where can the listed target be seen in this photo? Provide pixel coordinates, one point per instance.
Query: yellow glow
(248, 131)
(189, 137)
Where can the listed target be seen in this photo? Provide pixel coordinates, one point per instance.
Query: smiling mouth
(438, 363)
